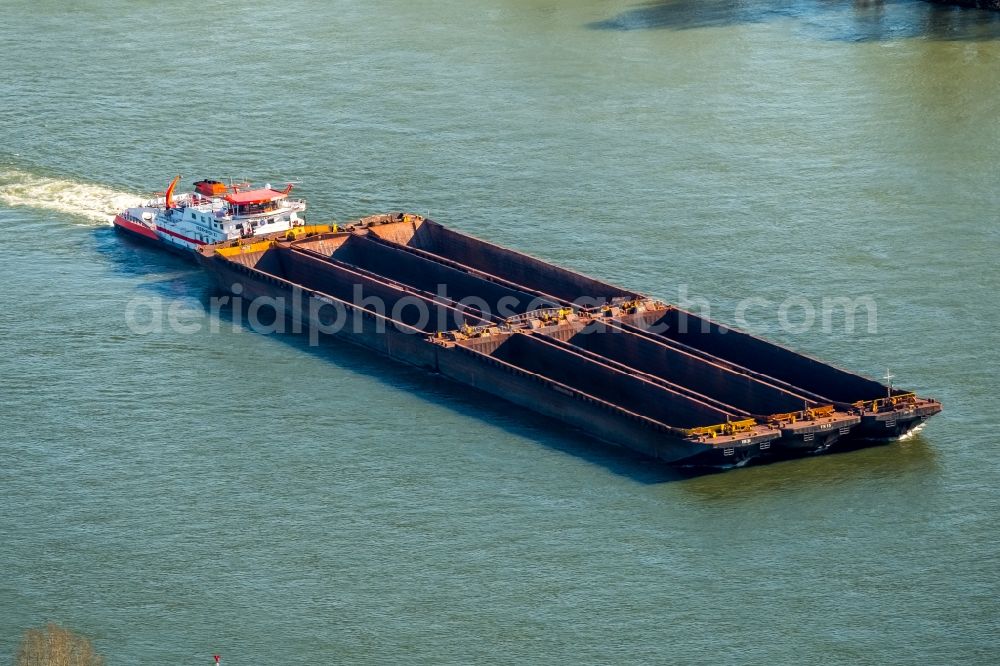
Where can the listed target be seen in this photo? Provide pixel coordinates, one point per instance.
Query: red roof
(254, 196)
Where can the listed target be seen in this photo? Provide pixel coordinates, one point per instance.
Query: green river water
(174, 495)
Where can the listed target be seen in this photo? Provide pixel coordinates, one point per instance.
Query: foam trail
(92, 202)
(912, 433)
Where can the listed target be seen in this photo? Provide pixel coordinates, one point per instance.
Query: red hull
(137, 228)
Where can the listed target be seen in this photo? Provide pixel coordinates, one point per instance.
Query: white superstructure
(213, 213)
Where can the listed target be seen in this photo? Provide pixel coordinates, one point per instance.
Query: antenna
(888, 378)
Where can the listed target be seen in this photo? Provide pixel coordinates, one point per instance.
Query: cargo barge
(618, 365)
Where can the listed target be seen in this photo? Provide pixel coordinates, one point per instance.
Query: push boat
(214, 213)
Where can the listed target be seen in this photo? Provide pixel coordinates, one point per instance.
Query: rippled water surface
(179, 495)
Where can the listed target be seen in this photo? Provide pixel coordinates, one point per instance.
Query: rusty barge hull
(885, 413)
(554, 387)
(612, 363)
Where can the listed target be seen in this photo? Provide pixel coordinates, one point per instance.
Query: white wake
(912, 433)
(92, 202)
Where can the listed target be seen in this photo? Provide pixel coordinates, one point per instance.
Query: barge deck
(615, 364)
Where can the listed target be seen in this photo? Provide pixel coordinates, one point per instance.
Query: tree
(56, 646)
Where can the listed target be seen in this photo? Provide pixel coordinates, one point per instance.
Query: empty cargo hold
(824, 382)
(804, 423)
(430, 239)
(605, 402)
(663, 360)
(537, 355)
(495, 300)
(385, 298)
